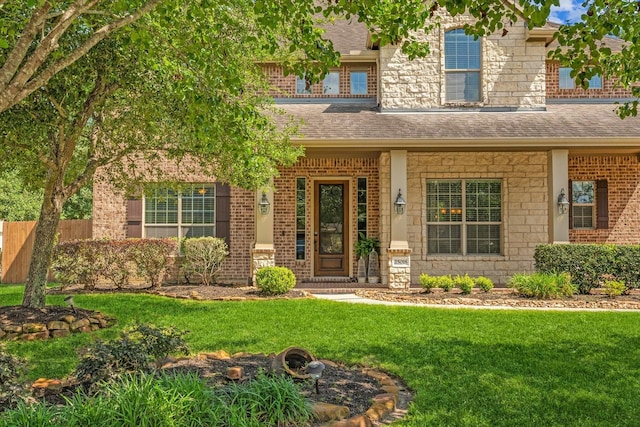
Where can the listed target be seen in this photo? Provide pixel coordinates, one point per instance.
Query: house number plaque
(400, 261)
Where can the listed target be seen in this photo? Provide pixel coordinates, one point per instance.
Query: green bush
(590, 264)
(428, 282)
(153, 258)
(446, 283)
(613, 288)
(484, 283)
(543, 285)
(134, 351)
(203, 257)
(275, 280)
(465, 283)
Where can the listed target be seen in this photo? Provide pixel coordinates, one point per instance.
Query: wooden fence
(17, 244)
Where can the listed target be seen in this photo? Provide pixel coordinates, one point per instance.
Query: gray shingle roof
(571, 125)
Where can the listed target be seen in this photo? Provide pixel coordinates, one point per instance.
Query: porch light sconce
(399, 204)
(563, 203)
(264, 204)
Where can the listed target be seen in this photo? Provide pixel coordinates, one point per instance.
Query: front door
(331, 232)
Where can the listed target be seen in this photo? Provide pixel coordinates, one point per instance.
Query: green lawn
(466, 367)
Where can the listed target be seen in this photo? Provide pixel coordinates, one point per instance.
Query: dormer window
(302, 86)
(462, 67)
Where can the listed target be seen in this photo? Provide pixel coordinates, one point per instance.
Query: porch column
(558, 165)
(399, 253)
(263, 253)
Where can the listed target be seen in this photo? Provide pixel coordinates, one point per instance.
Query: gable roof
(342, 125)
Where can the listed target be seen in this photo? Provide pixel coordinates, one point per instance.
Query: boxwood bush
(275, 280)
(590, 264)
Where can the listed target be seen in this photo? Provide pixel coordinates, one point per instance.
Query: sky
(569, 10)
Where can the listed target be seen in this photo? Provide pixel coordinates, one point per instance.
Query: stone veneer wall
(512, 75)
(285, 205)
(286, 85)
(110, 221)
(623, 178)
(607, 91)
(525, 212)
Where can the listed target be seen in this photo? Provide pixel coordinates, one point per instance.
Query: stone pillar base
(399, 265)
(261, 258)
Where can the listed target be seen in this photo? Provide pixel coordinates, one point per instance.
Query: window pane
(595, 82)
(301, 218)
(461, 51)
(161, 207)
(198, 205)
(359, 83)
(331, 84)
(483, 201)
(463, 86)
(583, 217)
(161, 231)
(565, 80)
(302, 86)
(198, 231)
(582, 191)
(443, 239)
(483, 239)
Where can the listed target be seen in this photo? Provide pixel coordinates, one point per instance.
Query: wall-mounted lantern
(399, 204)
(563, 203)
(264, 204)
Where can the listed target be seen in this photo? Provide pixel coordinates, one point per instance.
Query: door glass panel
(331, 219)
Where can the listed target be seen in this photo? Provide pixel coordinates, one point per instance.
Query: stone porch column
(398, 253)
(263, 253)
(558, 166)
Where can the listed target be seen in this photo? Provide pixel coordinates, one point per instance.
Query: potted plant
(363, 247)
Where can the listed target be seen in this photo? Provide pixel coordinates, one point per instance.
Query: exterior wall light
(264, 204)
(399, 204)
(563, 203)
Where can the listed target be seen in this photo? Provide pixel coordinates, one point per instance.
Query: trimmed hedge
(590, 265)
(87, 261)
(275, 280)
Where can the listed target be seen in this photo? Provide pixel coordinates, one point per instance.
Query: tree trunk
(46, 229)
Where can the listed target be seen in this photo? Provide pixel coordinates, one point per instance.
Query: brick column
(399, 265)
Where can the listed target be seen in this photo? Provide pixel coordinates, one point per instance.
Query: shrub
(543, 285)
(153, 258)
(484, 283)
(446, 283)
(613, 288)
(590, 264)
(134, 351)
(428, 282)
(12, 370)
(465, 283)
(203, 257)
(275, 280)
(118, 265)
(77, 262)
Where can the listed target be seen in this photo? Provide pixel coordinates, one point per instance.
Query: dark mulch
(19, 315)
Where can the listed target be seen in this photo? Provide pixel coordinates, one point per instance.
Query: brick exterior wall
(554, 92)
(110, 220)
(512, 74)
(286, 85)
(285, 205)
(623, 176)
(525, 210)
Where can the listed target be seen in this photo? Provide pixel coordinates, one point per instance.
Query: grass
(466, 367)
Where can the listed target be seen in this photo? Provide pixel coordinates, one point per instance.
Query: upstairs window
(566, 82)
(462, 67)
(359, 83)
(302, 86)
(331, 83)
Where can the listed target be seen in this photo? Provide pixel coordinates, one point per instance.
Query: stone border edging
(62, 327)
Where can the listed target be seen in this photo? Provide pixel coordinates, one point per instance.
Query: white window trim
(446, 71)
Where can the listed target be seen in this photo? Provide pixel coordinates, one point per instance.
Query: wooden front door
(331, 228)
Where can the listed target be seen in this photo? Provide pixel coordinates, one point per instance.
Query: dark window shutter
(570, 196)
(223, 212)
(134, 218)
(602, 202)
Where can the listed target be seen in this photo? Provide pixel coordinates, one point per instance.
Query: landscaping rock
(58, 325)
(359, 421)
(29, 328)
(59, 333)
(329, 412)
(79, 324)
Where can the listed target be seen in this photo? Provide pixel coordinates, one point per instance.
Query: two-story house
(459, 162)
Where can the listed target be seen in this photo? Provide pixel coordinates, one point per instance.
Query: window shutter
(602, 202)
(134, 218)
(223, 212)
(570, 196)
